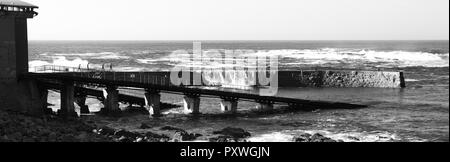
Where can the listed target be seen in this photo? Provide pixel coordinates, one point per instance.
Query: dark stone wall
(369, 79)
(7, 49)
(332, 78)
(16, 94)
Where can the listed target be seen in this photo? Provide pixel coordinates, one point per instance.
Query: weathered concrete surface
(229, 106)
(13, 47)
(264, 106)
(191, 104)
(111, 102)
(68, 100)
(80, 100)
(153, 103)
(372, 79)
(23, 96)
(17, 94)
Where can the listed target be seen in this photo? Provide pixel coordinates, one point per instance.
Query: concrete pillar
(67, 100)
(153, 102)
(264, 105)
(192, 104)
(111, 102)
(80, 99)
(44, 101)
(229, 105)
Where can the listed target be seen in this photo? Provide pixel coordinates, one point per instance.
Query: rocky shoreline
(17, 127)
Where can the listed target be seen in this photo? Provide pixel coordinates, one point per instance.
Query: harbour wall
(307, 78)
(342, 79)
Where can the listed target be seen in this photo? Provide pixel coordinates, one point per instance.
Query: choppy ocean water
(416, 113)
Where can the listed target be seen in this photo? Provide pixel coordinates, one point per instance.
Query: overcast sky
(240, 20)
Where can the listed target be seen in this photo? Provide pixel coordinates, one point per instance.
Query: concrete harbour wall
(342, 79)
(307, 78)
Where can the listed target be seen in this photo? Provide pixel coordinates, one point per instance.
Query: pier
(71, 80)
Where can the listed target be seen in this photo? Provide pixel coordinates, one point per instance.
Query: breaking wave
(375, 136)
(95, 56)
(60, 61)
(327, 56)
(380, 58)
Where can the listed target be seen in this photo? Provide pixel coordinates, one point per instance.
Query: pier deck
(160, 83)
(106, 85)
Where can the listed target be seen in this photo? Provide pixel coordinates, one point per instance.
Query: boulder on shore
(181, 135)
(233, 132)
(313, 138)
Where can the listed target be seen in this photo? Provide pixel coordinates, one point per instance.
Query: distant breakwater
(342, 79)
(303, 78)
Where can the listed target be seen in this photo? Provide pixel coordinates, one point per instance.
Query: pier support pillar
(80, 99)
(153, 102)
(229, 105)
(67, 100)
(111, 102)
(44, 101)
(192, 103)
(264, 105)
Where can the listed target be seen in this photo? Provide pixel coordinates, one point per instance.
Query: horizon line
(245, 40)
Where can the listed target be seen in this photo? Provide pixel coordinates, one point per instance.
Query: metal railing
(62, 69)
(153, 78)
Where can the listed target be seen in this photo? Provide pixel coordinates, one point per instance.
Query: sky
(240, 20)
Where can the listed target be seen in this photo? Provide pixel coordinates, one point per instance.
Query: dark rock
(185, 136)
(226, 139)
(221, 139)
(144, 126)
(153, 137)
(303, 138)
(106, 131)
(353, 138)
(181, 135)
(82, 136)
(177, 137)
(125, 139)
(312, 138)
(234, 132)
(127, 134)
(52, 137)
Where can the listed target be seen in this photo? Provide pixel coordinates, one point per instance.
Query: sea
(417, 113)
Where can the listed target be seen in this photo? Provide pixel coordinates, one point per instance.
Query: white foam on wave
(60, 61)
(314, 57)
(384, 58)
(146, 61)
(211, 59)
(376, 136)
(130, 69)
(411, 80)
(96, 56)
(272, 137)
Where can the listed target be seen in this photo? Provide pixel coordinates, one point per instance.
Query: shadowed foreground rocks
(181, 135)
(127, 136)
(313, 138)
(16, 127)
(230, 134)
